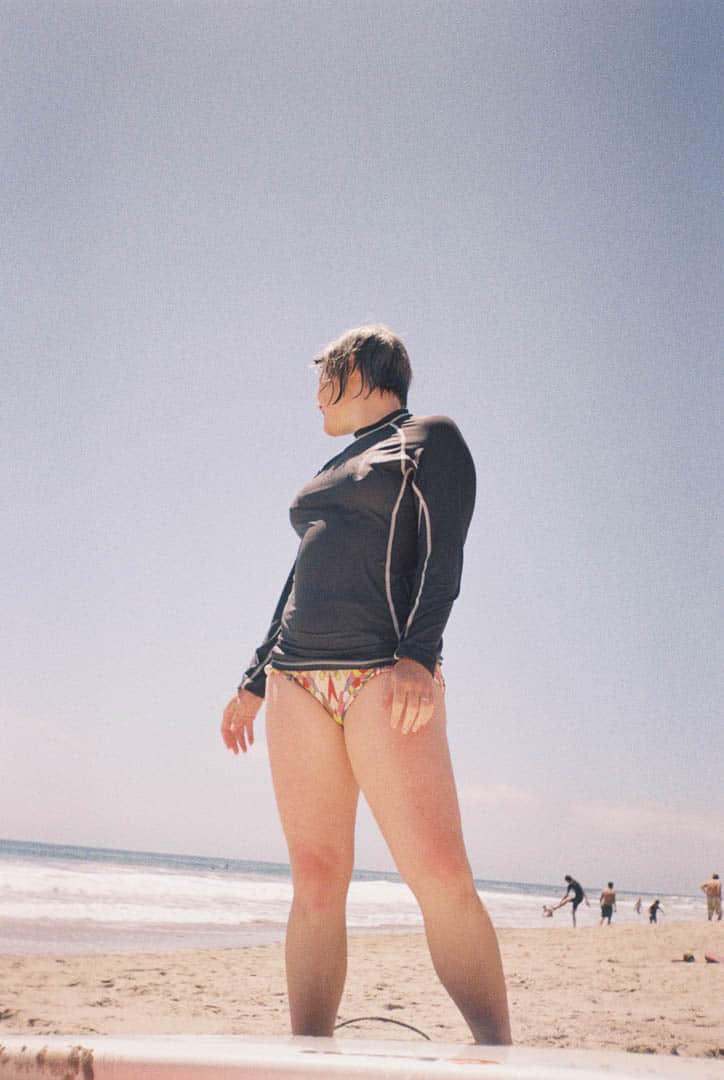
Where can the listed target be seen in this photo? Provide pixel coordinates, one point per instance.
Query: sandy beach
(592, 987)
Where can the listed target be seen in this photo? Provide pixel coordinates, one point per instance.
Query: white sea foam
(126, 900)
(134, 895)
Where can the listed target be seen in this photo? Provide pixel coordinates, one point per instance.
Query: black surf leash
(383, 1020)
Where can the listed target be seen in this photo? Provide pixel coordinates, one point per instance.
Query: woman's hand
(410, 697)
(237, 726)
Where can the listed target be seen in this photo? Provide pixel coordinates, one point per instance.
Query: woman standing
(350, 675)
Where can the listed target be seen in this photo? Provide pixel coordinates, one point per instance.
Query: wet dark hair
(610, 884)
(376, 352)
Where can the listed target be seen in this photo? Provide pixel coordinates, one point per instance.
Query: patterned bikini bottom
(336, 688)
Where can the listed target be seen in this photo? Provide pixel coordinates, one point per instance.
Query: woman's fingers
(237, 725)
(411, 707)
(418, 713)
(424, 714)
(227, 727)
(398, 702)
(228, 730)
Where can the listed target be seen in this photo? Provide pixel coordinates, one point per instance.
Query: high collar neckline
(396, 414)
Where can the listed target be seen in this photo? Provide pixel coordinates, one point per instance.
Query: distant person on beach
(607, 900)
(712, 890)
(654, 910)
(574, 895)
(637, 906)
(350, 676)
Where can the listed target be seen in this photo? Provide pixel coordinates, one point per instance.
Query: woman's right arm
(254, 678)
(237, 725)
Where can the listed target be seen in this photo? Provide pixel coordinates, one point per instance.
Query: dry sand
(591, 987)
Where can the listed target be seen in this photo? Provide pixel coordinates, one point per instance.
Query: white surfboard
(217, 1057)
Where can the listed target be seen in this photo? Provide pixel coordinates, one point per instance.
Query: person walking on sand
(574, 895)
(637, 906)
(350, 675)
(607, 900)
(712, 890)
(654, 910)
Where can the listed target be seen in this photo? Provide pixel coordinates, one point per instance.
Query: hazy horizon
(554, 887)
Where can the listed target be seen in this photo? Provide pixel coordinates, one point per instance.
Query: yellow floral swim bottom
(336, 688)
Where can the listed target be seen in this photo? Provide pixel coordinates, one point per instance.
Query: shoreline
(593, 987)
(71, 939)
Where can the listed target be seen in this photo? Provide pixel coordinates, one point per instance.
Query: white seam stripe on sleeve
(261, 666)
(391, 534)
(426, 512)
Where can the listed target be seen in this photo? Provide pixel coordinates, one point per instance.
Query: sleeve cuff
(255, 686)
(407, 651)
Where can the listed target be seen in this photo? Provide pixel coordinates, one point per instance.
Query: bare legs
(407, 779)
(408, 783)
(317, 798)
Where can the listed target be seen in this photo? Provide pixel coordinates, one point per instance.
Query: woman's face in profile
(340, 417)
(327, 390)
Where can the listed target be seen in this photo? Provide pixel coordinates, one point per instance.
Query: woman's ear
(355, 383)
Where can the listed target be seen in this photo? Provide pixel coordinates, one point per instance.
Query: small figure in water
(575, 900)
(654, 909)
(712, 890)
(607, 900)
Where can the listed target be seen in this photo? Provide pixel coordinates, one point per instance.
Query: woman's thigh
(408, 782)
(315, 787)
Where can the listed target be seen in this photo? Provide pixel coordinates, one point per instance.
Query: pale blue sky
(196, 197)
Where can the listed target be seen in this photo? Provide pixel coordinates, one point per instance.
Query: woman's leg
(317, 796)
(408, 783)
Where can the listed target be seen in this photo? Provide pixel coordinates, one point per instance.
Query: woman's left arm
(443, 485)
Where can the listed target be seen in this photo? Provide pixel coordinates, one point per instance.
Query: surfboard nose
(220, 1057)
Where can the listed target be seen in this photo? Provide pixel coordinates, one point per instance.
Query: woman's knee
(320, 876)
(441, 868)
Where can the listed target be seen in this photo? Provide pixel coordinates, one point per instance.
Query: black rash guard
(382, 527)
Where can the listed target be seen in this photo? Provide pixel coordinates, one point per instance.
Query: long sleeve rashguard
(382, 528)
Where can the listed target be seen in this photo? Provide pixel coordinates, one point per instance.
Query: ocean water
(60, 899)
